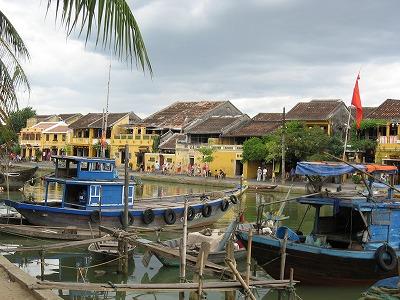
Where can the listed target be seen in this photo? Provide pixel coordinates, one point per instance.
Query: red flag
(356, 102)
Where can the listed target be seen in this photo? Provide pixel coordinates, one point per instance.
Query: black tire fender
(130, 218)
(233, 199)
(381, 255)
(148, 216)
(206, 210)
(224, 205)
(95, 217)
(32, 181)
(190, 213)
(170, 216)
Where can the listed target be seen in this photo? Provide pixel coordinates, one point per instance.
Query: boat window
(94, 194)
(84, 166)
(62, 163)
(130, 194)
(107, 167)
(95, 166)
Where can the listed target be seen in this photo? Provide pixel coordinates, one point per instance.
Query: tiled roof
(314, 110)
(65, 117)
(179, 114)
(271, 117)
(388, 110)
(214, 124)
(253, 128)
(95, 120)
(62, 128)
(44, 125)
(367, 110)
(171, 142)
(43, 118)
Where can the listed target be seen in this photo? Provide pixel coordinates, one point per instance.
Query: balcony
(33, 143)
(133, 139)
(188, 146)
(80, 141)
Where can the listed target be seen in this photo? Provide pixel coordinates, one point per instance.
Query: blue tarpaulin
(326, 169)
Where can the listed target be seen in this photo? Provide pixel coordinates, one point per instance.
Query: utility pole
(104, 129)
(283, 147)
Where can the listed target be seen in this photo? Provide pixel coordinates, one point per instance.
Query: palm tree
(115, 28)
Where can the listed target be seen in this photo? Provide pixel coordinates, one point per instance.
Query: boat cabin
(352, 220)
(88, 183)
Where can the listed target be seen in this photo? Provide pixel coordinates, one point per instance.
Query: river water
(63, 265)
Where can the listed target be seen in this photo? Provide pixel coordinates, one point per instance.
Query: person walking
(259, 174)
(264, 174)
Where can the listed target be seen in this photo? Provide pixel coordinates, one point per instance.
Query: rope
(268, 262)
(78, 268)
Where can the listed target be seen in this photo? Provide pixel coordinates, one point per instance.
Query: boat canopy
(337, 169)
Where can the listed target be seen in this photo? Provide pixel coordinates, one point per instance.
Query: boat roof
(82, 158)
(359, 203)
(337, 168)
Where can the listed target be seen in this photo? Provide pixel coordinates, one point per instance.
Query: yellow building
(329, 115)
(44, 139)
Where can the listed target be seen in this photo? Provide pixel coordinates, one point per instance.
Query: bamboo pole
(184, 242)
(198, 275)
(283, 256)
(239, 277)
(249, 243)
(41, 265)
(230, 295)
(126, 189)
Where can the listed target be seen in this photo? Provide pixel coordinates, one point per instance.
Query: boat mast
(104, 130)
(347, 134)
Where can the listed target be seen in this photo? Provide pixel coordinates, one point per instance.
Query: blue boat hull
(316, 265)
(53, 215)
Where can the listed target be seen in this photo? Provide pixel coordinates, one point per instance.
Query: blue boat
(93, 195)
(355, 239)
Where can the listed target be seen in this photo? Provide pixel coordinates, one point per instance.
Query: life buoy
(148, 216)
(169, 216)
(95, 216)
(130, 218)
(233, 199)
(190, 213)
(206, 210)
(386, 257)
(32, 182)
(224, 205)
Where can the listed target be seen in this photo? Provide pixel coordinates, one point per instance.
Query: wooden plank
(160, 287)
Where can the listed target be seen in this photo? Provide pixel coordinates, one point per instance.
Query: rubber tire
(233, 199)
(95, 217)
(32, 182)
(204, 198)
(148, 216)
(206, 210)
(379, 256)
(170, 216)
(191, 213)
(130, 218)
(224, 205)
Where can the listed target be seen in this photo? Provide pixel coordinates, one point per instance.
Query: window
(55, 138)
(84, 166)
(130, 194)
(95, 194)
(95, 166)
(63, 137)
(107, 167)
(47, 137)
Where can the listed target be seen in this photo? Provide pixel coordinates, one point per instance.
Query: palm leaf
(116, 27)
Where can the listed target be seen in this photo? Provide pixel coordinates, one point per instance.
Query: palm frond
(117, 28)
(10, 36)
(8, 97)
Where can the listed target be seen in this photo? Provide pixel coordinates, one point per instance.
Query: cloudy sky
(259, 54)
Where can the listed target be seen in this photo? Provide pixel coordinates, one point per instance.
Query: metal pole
(126, 189)
(283, 147)
(346, 136)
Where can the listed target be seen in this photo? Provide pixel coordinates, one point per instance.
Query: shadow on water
(64, 266)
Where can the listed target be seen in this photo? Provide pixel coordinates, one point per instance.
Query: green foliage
(369, 123)
(254, 149)
(356, 179)
(207, 153)
(7, 135)
(17, 120)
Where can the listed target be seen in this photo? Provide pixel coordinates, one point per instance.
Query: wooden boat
(357, 242)
(93, 194)
(215, 237)
(108, 250)
(44, 232)
(388, 289)
(263, 187)
(17, 177)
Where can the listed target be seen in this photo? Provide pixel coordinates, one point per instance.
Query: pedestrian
(292, 174)
(264, 174)
(259, 174)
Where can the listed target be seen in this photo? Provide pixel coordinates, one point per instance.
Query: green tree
(114, 25)
(207, 153)
(17, 120)
(254, 149)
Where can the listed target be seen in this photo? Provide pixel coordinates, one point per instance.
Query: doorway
(239, 168)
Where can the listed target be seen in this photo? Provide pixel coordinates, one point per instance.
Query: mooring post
(248, 292)
(198, 275)
(126, 190)
(292, 295)
(283, 256)
(183, 248)
(230, 295)
(249, 243)
(41, 265)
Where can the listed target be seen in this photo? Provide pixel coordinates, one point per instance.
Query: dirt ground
(12, 290)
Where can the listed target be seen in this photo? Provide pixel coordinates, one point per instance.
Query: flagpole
(347, 134)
